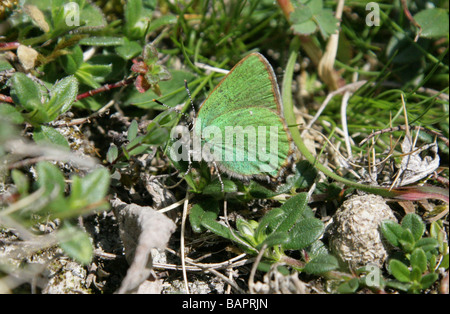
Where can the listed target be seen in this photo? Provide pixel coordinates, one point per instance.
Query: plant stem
(106, 87)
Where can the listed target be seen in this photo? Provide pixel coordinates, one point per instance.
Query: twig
(106, 87)
(411, 19)
(207, 67)
(182, 252)
(26, 148)
(251, 282)
(231, 263)
(227, 280)
(236, 238)
(174, 205)
(350, 87)
(9, 46)
(404, 128)
(93, 115)
(344, 104)
(5, 98)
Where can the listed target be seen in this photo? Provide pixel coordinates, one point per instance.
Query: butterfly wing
(246, 109)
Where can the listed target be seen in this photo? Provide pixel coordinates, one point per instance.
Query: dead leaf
(413, 167)
(27, 57)
(37, 16)
(141, 229)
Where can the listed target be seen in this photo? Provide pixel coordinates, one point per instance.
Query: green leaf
(167, 19)
(25, 92)
(304, 233)
(445, 262)
(158, 136)
(89, 190)
(373, 276)
(256, 190)
(95, 185)
(204, 210)
(301, 14)
(294, 208)
(21, 182)
(72, 62)
(217, 228)
(414, 223)
(316, 249)
(132, 130)
(102, 41)
(274, 239)
(269, 223)
(427, 280)
(305, 174)
(301, 20)
(112, 153)
(419, 259)
(327, 23)
(92, 16)
(392, 232)
(48, 135)
(10, 113)
(97, 71)
(60, 16)
(349, 286)
(225, 232)
(397, 285)
(50, 178)
(133, 11)
(427, 244)
(135, 22)
(406, 241)
(321, 264)
(172, 90)
(415, 274)
(5, 65)
(309, 15)
(76, 244)
(37, 116)
(305, 28)
(434, 22)
(399, 270)
(246, 230)
(214, 188)
(129, 49)
(63, 94)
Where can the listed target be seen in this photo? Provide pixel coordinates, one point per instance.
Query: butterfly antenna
(219, 176)
(190, 98)
(189, 94)
(189, 163)
(171, 108)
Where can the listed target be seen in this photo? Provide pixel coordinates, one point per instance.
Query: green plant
(38, 106)
(415, 269)
(291, 227)
(308, 16)
(86, 195)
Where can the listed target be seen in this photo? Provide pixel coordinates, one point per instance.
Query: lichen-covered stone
(356, 237)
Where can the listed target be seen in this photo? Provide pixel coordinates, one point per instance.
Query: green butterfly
(240, 127)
